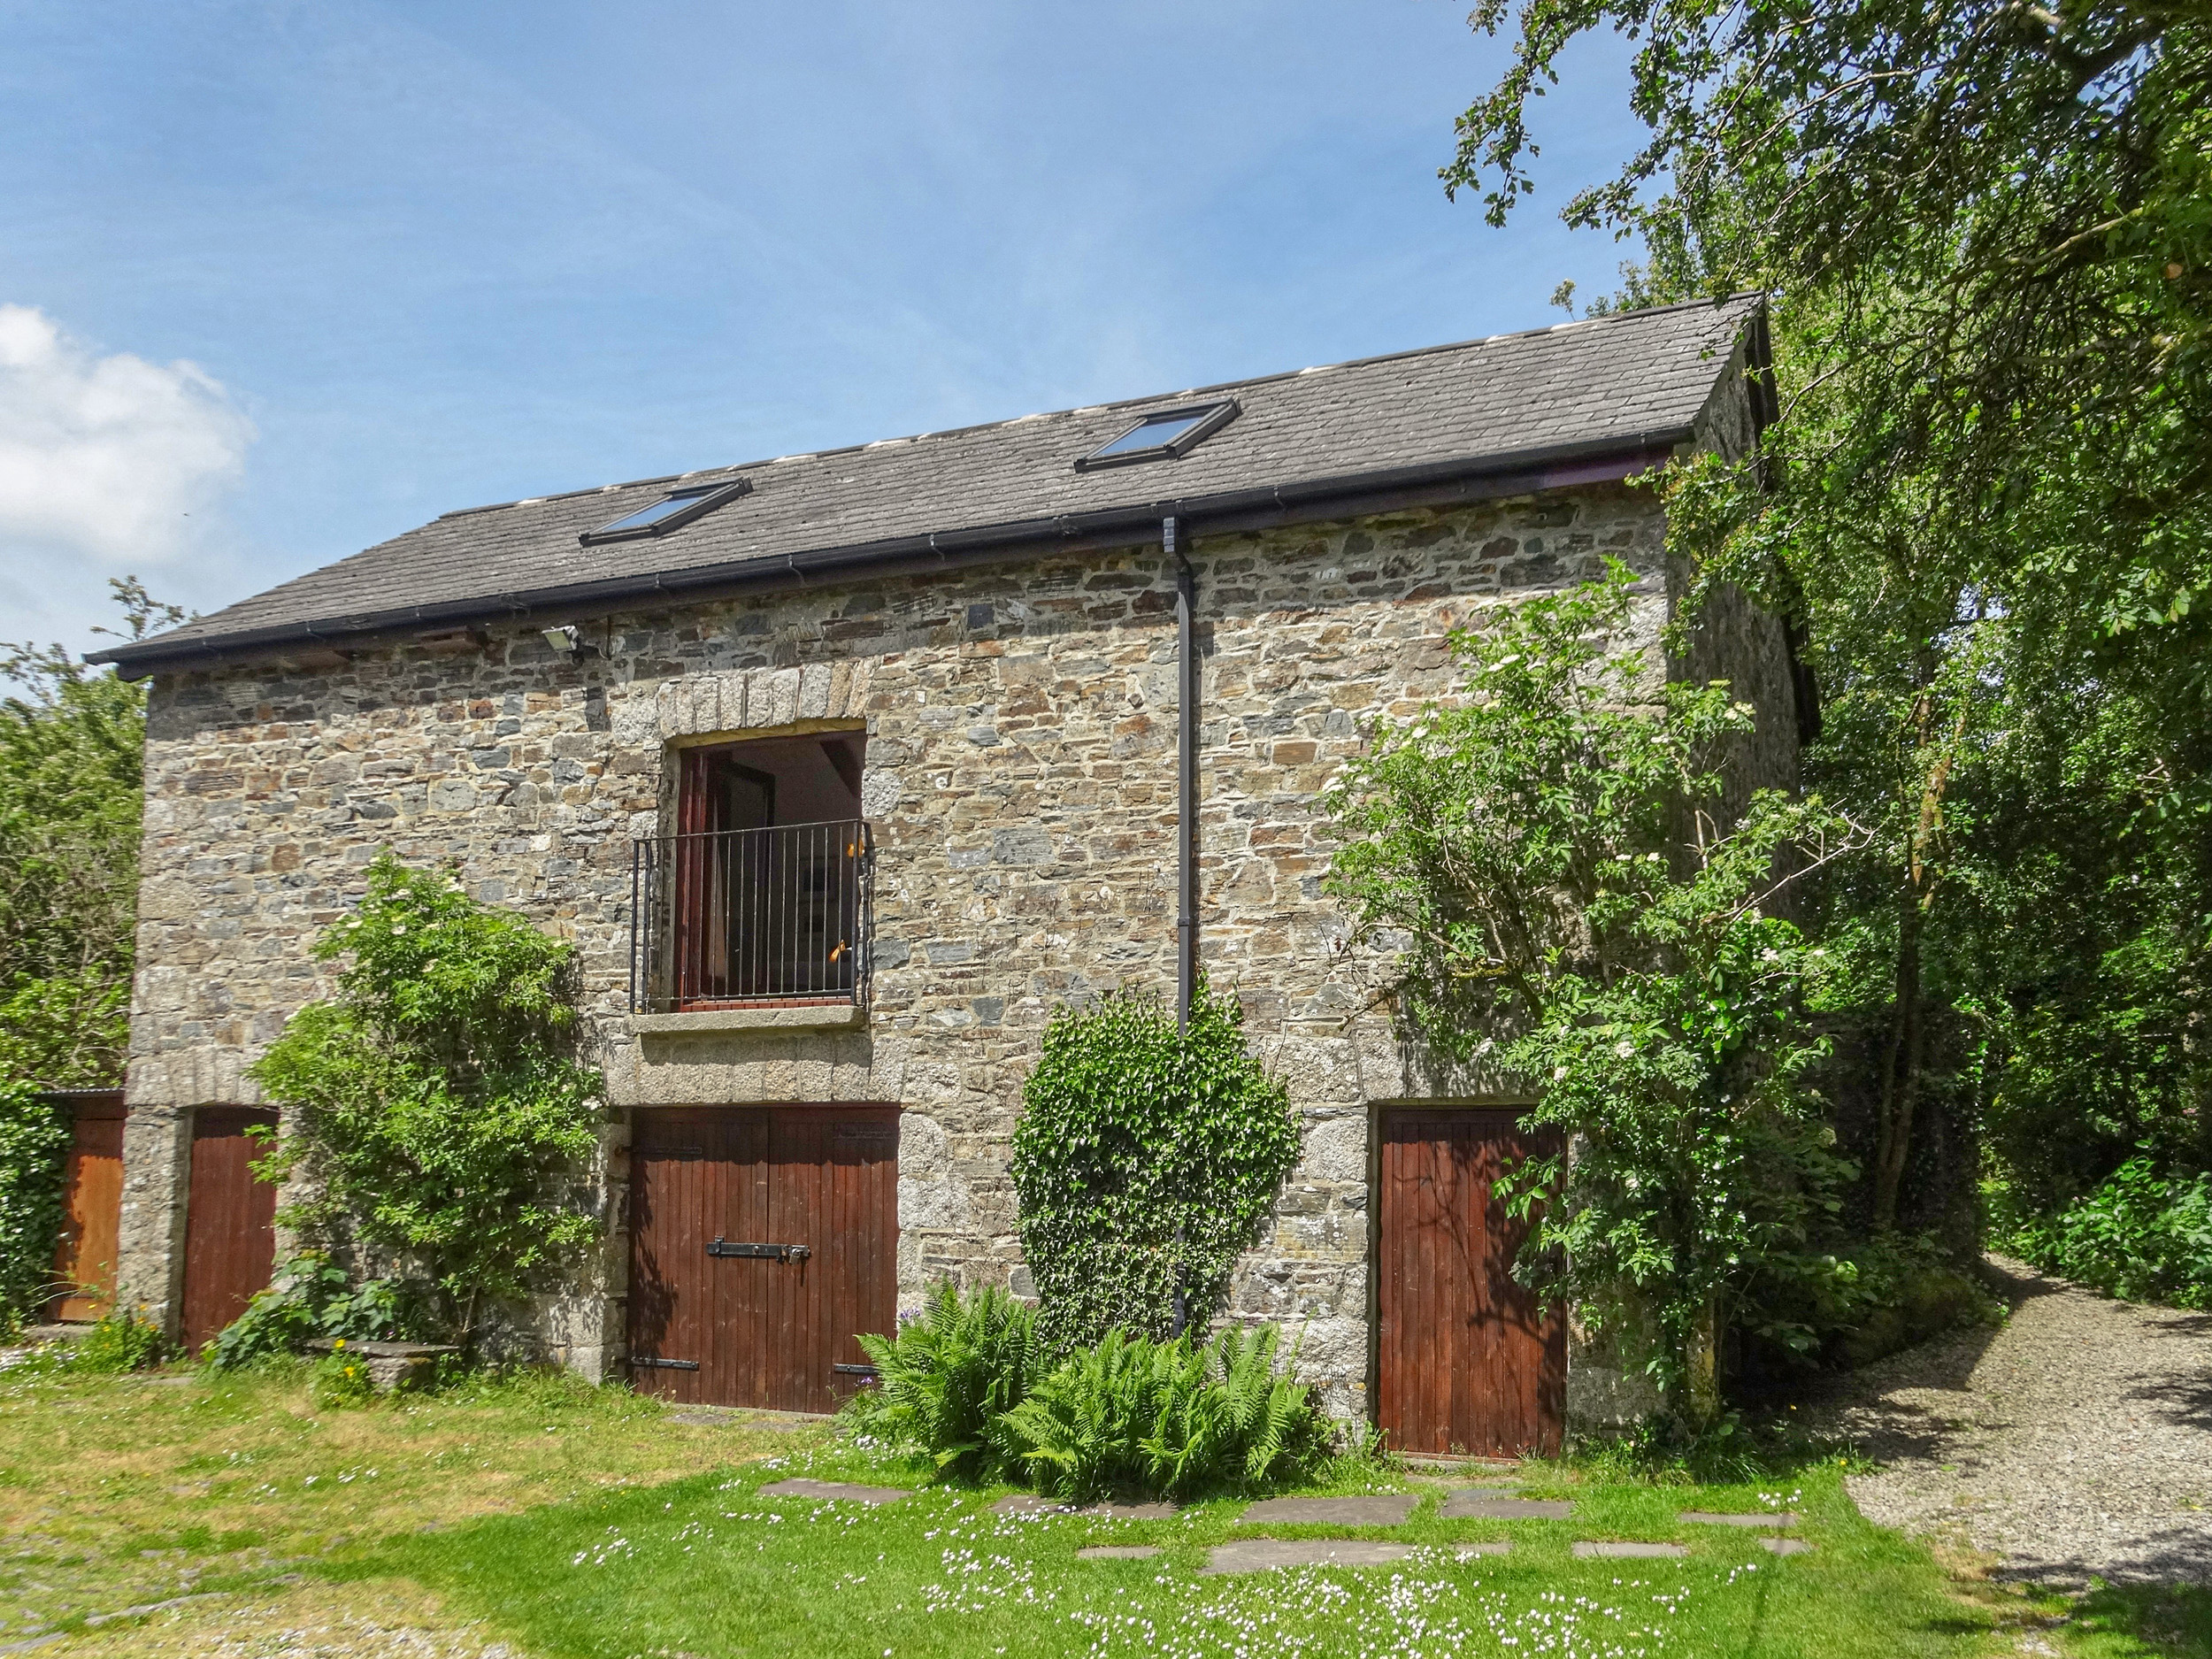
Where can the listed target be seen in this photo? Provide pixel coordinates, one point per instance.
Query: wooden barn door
(229, 1221)
(723, 1308)
(92, 1196)
(1468, 1361)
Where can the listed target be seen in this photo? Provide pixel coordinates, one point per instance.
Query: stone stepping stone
(1498, 1546)
(1708, 1517)
(1117, 1552)
(1473, 1504)
(1785, 1545)
(1258, 1555)
(833, 1492)
(1630, 1552)
(1376, 1511)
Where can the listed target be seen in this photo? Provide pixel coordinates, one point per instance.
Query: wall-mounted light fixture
(568, 641)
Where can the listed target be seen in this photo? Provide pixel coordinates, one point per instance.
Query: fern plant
(946, 1379)
(1166, 1418)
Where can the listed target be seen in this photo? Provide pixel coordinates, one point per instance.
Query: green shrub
(1135, 1416)
(310, 1297)
(340, 1379)
(33, 1153)
(1146, 1162)
(944, 1380)
(1564, 864)
(1890, 1292)
(2140, 1233)
(437, 1102)
(120, 1341)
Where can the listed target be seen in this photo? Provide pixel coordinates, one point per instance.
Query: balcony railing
(737, 918)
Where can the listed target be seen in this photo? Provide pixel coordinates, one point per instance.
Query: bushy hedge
(1129, 1414)
(2139, 1233)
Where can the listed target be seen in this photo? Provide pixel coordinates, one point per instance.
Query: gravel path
(2076, 1441)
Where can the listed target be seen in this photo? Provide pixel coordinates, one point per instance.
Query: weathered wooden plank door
(229, 1221)
(92, 1196)
(1468, 1361)
(757, 1330)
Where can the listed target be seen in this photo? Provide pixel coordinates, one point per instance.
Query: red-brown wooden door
(756, 1330)
(1468, 1361)
(229, 1221)
(92, 1196)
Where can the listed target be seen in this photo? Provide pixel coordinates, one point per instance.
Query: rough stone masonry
(1019, 776)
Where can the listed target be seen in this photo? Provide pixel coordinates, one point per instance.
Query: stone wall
(1019, 776)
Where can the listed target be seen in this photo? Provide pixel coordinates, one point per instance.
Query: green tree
(71, 738)
(71, 745)
(1577, 890)
(434, 1105)
(1987, 229)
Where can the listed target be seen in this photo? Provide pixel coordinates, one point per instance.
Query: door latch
(778, 1252)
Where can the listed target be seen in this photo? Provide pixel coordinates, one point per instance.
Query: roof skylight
(1162, 435)
(676, 508)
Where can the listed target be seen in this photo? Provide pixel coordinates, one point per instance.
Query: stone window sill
(716, 1021)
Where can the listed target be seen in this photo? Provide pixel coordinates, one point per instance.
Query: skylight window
(676, 508)
(1162, 435)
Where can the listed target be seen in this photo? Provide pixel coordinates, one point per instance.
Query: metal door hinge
(780, 1252)
(666, 1365)
(854, 1370)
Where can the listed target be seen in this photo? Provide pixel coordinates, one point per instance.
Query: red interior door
(1467, 1361)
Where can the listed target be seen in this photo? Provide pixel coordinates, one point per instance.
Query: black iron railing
(738, 918)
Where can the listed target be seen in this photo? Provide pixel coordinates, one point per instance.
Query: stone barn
(844, 770)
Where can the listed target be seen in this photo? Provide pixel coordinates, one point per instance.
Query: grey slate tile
(1619, 377)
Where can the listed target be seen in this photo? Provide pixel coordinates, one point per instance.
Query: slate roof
(1636, 381)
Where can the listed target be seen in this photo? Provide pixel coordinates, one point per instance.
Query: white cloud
(112, 459)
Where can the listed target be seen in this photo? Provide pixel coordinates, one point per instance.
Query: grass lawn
(564, 1521)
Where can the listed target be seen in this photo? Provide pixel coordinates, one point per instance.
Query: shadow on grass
(2125, 1620)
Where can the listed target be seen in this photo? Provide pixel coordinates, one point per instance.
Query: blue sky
(281, 280)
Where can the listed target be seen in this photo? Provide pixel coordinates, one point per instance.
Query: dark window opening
(671, 511)
(1163, 435)
(762, 895)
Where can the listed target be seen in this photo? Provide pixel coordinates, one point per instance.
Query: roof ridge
(1472, 343)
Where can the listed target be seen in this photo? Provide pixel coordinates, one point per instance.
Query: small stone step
(833, 1492)
(1473, 1504)
(1785, 1545)
(1708, 1517)
(1117, 1552)
(1258, 1555)
(1630, 1552)
(1373, 1511)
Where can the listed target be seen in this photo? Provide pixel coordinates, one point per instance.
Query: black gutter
(1440, 483)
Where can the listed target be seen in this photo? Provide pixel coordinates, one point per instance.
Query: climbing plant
(34, 1140)
(435, 1102)
(1146, 1161)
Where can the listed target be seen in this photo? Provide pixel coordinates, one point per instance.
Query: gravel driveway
(2076, 1441)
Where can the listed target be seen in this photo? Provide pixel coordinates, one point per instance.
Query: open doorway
(766, 879)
